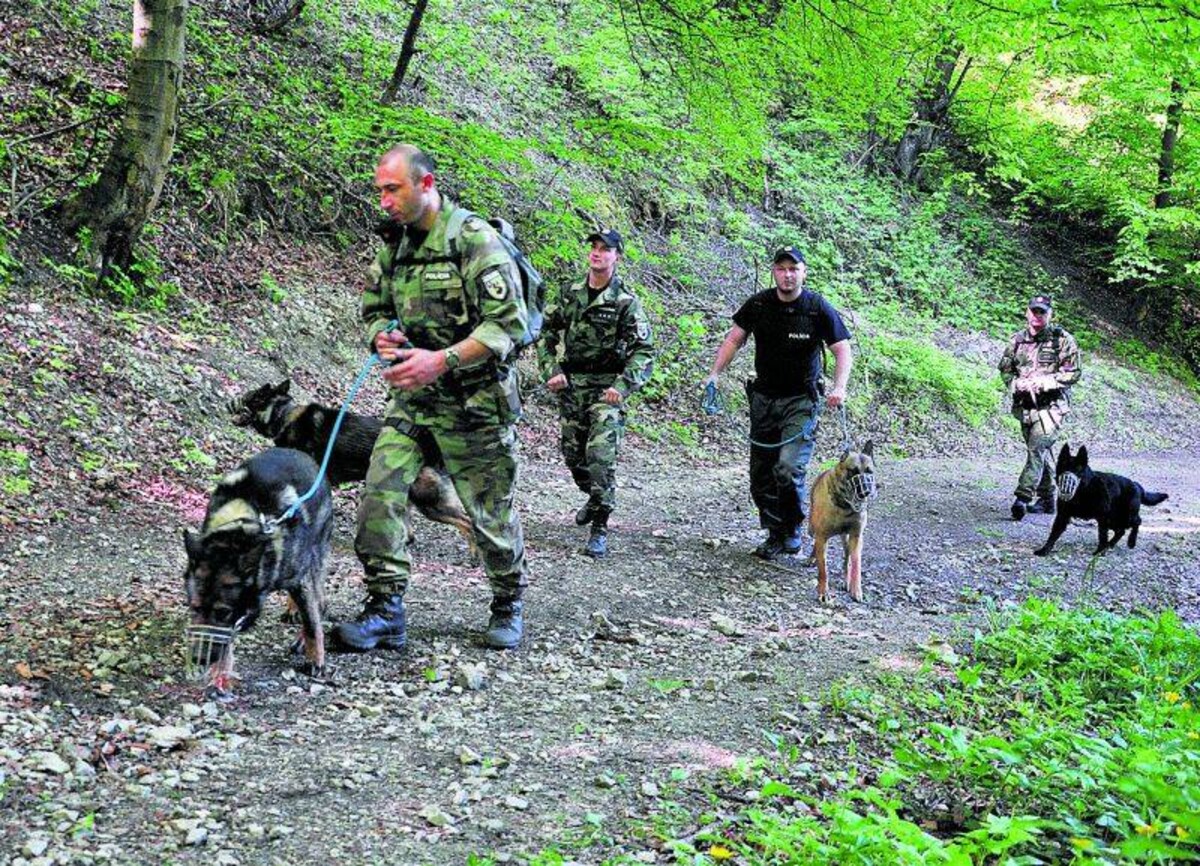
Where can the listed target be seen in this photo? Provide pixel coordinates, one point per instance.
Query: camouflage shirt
(1050, 360)
(601, 341)
(441, 292)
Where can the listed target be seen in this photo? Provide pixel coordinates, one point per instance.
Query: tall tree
(1166, 152)
(117, 206)
(407, 50)
(931, 111)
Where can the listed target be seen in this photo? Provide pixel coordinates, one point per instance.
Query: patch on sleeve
(643, 330)
(495, 285)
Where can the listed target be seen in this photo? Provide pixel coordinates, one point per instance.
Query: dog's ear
(869, 448)
(191, 543)
(1081, 458)
(1064, 455)
(283, 388)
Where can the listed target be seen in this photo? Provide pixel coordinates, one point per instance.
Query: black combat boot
(771, 547)
(791, 542)
(597, 543)
(1020, 508)
(1043, 505)
(506, 625)
(379, 626)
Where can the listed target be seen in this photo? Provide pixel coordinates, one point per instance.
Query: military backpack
(533, 287)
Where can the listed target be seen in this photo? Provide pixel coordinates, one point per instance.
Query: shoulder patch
(643, 330)
(495, 285)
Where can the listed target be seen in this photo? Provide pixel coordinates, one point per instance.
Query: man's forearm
(725, 355)
(843, 360)
(471, 352)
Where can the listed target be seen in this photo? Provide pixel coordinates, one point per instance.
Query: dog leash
(269, 525)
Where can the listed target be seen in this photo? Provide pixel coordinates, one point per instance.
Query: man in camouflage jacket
(596, 351)
(1040, 364)
(444, 309)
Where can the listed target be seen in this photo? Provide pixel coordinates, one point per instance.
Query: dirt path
(646, 678)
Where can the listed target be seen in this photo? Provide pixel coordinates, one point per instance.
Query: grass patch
(1066, 736)
(920, 376)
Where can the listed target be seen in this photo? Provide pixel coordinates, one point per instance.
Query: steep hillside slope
(544, 114)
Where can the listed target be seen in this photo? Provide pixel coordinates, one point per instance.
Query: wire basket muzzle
(206, 645)
(1068, 486)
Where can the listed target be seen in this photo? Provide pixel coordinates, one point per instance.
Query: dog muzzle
(207, 645)
(1068, 486)
(861, 488)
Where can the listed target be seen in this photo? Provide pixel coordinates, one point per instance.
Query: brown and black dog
(271, 412)
(245, 551)
(837, 506)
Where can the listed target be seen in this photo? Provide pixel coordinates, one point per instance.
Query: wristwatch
(452, 359)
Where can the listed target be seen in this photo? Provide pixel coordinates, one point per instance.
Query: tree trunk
(407, 49)
(117, 206)
(930, 112)
(1166, 154)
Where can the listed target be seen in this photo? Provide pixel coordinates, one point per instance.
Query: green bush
(920, 377)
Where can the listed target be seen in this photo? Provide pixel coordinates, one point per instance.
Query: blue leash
(337, 425)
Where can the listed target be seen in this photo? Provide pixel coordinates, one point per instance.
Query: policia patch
(494, 284)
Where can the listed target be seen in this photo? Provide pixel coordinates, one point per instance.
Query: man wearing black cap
(789, 324)
(596, 351)
(1040, 364)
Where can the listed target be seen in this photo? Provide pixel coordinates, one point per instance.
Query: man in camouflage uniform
(1040, 364)
(596, 352)
(445, 308)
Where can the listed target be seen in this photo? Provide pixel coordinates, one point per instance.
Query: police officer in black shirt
(789, 324)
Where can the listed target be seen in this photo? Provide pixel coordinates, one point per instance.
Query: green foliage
(9, 266)
(923, 379)
(1070, 736)
(16, 472)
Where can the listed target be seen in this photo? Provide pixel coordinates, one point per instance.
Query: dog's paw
(220, 694)
(323, 673)
(1042, 551)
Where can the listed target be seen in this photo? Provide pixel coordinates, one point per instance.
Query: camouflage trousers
(482, 463)
(1037, 476)
(592, 432)
(777, 474)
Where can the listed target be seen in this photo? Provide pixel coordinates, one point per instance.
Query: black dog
(1113, 501)
(307, 427)
(241, 553)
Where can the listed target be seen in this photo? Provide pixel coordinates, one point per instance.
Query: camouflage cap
(1040, 303)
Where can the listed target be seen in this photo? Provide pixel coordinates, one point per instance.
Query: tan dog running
(837, 506)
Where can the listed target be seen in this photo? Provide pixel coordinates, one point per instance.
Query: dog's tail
(1151, 498)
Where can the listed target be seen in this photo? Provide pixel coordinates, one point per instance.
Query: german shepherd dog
(242, 552)
(1113, 501)
(271, 412)
(837, 506)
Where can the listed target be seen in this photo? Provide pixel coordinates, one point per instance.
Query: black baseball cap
(1040, 302)
(788, 252)
(611, 238)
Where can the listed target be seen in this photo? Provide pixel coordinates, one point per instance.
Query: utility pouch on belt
(1027, 401)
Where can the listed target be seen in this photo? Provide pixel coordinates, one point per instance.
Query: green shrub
(919, 376)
